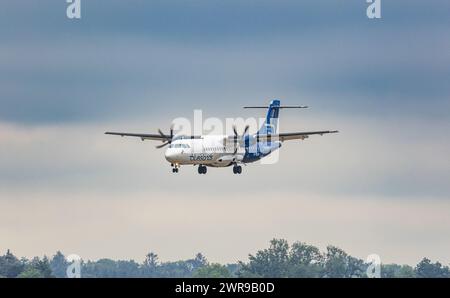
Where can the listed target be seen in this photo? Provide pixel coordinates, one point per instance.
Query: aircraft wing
(156, 137)
(294, 135)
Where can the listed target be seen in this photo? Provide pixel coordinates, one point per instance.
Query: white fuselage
(212, 151)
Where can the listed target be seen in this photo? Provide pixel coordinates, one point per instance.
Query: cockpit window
(179, 146)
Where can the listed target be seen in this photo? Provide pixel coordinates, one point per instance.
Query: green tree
(271, 262)
(305, 261)
(176, 269)
(199, 260)
(339, 264)
(100, 268)
(406, 271)
(427, 269)
(127, 269)
(10, 266)
(396, 271)
(150, 265)
(212, 271)
(42, 266)
(233, 268)
(31, 272)
(59, 265)
(335, 262)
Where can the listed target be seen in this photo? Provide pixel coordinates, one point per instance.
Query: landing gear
(175, 168)
(202, 169)
(237, 169)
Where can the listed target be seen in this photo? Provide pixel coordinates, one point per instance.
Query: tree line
(278, 260)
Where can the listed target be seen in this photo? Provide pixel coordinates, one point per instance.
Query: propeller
(237, 137)
(167, 140)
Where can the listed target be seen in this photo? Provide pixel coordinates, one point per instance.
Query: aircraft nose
(169, 154)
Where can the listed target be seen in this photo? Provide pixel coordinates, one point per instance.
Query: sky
(379, 186)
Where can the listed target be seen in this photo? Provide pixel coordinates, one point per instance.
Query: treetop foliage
(278, 260)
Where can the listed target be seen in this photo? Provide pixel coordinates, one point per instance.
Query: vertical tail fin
(270, 125)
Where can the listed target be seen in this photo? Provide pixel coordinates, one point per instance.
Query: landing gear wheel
(202, 169)
(175, 170)
(237, 169)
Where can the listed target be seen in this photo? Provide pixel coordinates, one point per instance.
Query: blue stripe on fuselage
(259, 150)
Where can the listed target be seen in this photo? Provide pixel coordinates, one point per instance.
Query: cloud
(97, 70)
(406, 159)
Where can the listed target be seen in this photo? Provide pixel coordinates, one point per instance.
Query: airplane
(225, 150)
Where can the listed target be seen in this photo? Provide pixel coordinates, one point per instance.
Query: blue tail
(270, 125)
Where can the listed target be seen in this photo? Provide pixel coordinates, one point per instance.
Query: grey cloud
(84, 81)
(405, 160)
(212, 55)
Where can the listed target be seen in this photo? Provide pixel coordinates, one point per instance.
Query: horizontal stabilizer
(280, 107)
(292, 135)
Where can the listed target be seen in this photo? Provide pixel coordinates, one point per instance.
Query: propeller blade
(235, 138)
(167, 139)
(160, 146)
(161, 133)
(246, 130)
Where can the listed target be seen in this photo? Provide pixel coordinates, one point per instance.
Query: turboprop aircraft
(226, 150)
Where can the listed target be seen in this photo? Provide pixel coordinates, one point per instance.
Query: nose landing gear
(202, 169)
(175, 168)
(237, 169)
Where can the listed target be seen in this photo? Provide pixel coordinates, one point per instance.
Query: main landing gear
(175, 168)
(202, 169)
(237, 169)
